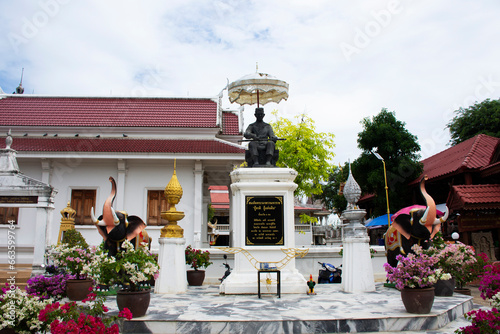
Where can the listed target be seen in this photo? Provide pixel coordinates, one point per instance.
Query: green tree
(482, 117)
(399, 148)
(309, 152)
(332, 195)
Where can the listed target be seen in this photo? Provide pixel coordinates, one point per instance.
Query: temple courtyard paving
(204, 310)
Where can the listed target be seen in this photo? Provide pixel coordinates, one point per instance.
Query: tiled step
(21, 273)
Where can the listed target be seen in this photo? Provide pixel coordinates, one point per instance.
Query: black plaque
(264, 221)
(19, 199)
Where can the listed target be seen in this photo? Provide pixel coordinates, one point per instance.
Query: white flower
(495, 300)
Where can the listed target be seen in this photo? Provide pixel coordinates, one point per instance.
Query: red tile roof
(123, 145)
(26, 110)
(230, 124)
(219, 196)
(471, 154)
(222, 188)
(473, 197)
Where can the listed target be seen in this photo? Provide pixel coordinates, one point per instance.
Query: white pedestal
(357, 270)
(172, 262)
(248, 183)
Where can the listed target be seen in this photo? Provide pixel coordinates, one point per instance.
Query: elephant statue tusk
(442, 219)
(95, 220)
(92, 216)
(116, 221)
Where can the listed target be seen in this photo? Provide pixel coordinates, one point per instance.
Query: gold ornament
(67, 221)
(173, 194)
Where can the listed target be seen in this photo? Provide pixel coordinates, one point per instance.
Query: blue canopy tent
(379, 221)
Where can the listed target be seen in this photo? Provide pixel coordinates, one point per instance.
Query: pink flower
(125, 313)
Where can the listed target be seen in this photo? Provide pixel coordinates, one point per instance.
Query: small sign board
(264, 224)
(19, 199)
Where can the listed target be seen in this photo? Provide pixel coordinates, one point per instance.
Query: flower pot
(195, 277)
(444, 288)
(418, 300)
(136, 301)
(78, 289)
(464, 291)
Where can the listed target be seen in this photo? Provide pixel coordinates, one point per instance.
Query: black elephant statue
(417, 227)
(116, 227)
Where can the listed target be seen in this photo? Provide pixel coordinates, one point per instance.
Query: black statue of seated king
(261, 150)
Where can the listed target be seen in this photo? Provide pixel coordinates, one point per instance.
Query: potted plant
(19, 310)
(132, 269)
(86, 317)
(197, 259)
(486, 320)
(45, 287)
(490, 284)
(79, 262)
(458, 260)
(414, 276)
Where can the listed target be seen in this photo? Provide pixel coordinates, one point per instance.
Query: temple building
(74, 144)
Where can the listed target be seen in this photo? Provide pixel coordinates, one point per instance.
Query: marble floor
(204, 310)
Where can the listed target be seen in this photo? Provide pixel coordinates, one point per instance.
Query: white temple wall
(140, 176)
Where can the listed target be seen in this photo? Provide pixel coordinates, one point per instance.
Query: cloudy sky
(344, 60)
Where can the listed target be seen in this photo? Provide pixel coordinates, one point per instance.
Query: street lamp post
(386, 189)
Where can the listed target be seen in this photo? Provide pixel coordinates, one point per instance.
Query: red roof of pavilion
(473, 197)
(219, 197)
(474, 153)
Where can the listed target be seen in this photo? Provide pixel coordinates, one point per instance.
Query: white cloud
(422, 59)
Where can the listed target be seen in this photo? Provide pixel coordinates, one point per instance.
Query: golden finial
(68, 213)
(67, 221)
(173, 194)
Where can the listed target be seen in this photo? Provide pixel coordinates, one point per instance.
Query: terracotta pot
(464, 291)
(8, 331)
(444, 288)
(78, 289)
(195, 277)
(418, 300)
(136, 301)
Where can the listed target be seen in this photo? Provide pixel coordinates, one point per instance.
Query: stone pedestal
(357, 270)
(262, 218)
(172, 262)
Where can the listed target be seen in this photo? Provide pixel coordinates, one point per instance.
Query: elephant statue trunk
(108, 213)
(429, 216)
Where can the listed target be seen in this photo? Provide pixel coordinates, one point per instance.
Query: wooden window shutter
(156, 204)
(82, 200)
(7, 214)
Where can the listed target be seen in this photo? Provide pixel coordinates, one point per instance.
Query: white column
(42, 240)
(172, 262)
(357, 269)
(46, 171)
(120, 191)
(198, 203)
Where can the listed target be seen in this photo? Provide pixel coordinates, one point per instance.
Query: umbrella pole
(257, 98)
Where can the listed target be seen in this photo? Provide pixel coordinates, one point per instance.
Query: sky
(344, 60)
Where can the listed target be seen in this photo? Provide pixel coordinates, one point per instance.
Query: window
(156, 204)
(82, 200)
(7, 214)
